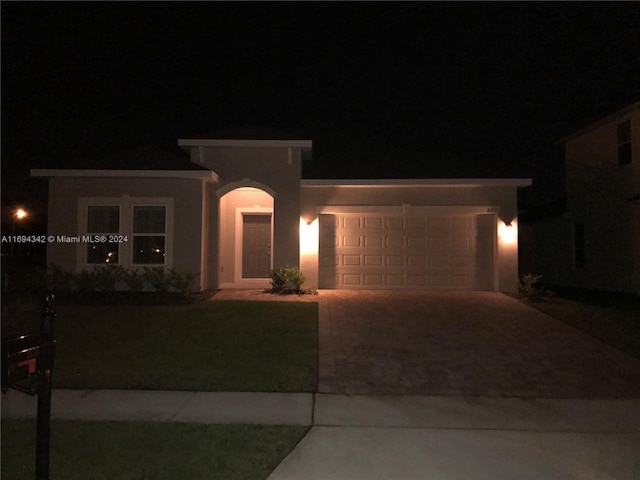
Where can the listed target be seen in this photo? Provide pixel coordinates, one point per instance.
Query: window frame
(94, 234)
(134, 234)
(125, 249)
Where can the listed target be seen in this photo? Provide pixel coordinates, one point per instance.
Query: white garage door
(406, 251)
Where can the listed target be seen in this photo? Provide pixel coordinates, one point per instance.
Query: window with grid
(103, 221)
(624, 143)
(149, 234)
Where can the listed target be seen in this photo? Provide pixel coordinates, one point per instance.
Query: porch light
(308, 236)
(507, 232)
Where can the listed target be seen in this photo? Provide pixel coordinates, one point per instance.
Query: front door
(256, 246)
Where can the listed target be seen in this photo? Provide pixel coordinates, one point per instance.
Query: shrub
(134, 280)
(109, 278)
(528, 287)
(286, 278)
(157, 277)
(181, 283)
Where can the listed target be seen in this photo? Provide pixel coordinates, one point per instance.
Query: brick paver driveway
(471, 344)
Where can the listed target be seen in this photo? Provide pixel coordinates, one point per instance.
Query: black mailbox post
(27, 363)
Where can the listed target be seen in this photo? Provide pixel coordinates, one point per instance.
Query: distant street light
(19, 214)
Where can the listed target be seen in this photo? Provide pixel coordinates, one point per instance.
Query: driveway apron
(461, 344)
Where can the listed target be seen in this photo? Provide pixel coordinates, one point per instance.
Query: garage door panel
(394, 241)
(373, 241)
(351, 260)
(416, 281)
(416, 242)
(373, 260)
(416, 260)
(413, 251)
(351, 241)
(395, 280)
(394, 260)
(394, 222)
(373, 223)
(373, 280)
(350, 280)
(351, 222)
(414, 223)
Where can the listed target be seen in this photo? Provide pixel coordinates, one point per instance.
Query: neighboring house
(595, 243)
(245, 209)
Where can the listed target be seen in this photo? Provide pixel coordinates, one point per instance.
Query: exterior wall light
(508, 232)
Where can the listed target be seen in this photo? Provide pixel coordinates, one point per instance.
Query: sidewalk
(408, 437)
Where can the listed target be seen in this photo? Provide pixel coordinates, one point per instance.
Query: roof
(421, 182)
(603, 121)
(246, 132)
(245, 136)
(109, 173)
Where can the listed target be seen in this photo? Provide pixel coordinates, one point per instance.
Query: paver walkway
(461, 344)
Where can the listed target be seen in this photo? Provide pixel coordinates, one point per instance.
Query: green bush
(157, 277)
(182, 283)
(109, 278)
(134, 280)
(528, 287)
(286, 278)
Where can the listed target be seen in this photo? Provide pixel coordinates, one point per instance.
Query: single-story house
(247, 210)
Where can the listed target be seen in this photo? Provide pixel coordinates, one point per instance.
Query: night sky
(385, 90)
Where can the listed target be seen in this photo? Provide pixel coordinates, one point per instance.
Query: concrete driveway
(461, 344)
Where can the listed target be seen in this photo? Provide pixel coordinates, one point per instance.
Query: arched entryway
(246, 235)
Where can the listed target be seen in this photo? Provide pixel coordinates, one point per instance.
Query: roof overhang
(420, 182)
(190, 142)
(69, 173)
(603, 121)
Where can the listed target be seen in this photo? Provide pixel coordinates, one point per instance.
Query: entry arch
(246, 216)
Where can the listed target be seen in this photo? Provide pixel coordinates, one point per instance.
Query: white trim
(420, 182)
(237, 268)
(167, 203)
(409, 209)
(204, 142)
(195, 174)
(125, 250)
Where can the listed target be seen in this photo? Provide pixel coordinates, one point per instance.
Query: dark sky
(383, 89)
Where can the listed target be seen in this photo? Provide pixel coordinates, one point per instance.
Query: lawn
(616, 322)
(208, 346)
(141, 450)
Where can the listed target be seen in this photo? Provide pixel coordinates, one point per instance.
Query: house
(244, 209)
(594, 242)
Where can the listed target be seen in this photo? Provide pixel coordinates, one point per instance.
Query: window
(624, 143)
(126, 231)
(579, 256)
(102, 221)
(149, 232)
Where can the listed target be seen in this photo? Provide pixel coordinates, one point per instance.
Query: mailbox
(27, 363)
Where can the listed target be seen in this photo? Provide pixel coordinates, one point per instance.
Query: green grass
(209, 346)
(615, 323)
(141, 450)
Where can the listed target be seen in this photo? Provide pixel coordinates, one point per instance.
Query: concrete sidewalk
(400, 437)
(168, 406)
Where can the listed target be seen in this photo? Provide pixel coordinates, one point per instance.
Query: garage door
(406, 251)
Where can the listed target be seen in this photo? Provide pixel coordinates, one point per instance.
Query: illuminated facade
(247, 210)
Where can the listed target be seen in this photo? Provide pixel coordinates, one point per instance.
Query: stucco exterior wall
(245, 200)
(598, 196)
(187, 194)
(504, 199)
(276, 170)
